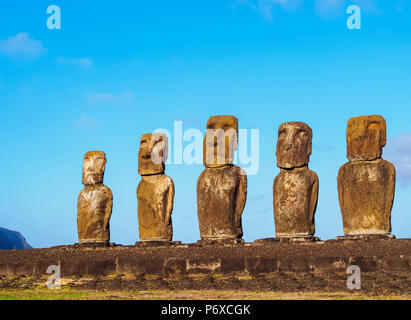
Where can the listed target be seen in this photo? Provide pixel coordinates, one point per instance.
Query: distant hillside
(12, 240)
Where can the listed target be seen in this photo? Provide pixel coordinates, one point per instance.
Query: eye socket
(302, 133)
(374, 125)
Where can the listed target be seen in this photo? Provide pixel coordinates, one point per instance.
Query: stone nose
(145, 155)
(288, 142)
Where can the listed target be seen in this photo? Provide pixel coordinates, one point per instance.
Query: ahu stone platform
(320, 265)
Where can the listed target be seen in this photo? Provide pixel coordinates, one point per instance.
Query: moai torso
(222, 200)
(366, 184)
(94, 210)
(295, 199)
(295, 189)
(155, 203)
(155, 192)
(221, 187)
(95, 202)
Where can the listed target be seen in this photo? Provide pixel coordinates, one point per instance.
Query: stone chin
(287, 165)
(290, 162)
(359, 158)
(217, 165)
(150, 172)
(92, 179)
(147, 167)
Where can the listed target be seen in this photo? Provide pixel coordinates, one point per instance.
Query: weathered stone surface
(220, 141)
(155, 192)
(385, 265)
(366, 136)
(366, 194)
(221, 187)
(295, 189)
(294, 145)
(295, 202)
(152, 154)
(366, 184)
(221, 197)
(95, 202)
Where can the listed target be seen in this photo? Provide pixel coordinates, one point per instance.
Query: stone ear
(383, 135)
(165, 148)
(310, 143)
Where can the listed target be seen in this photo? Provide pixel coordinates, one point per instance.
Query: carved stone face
(294, 145)
(152, 153)
(366, 136)
(220, 141)
(93, 167)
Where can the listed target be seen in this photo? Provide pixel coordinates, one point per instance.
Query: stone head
(152, 154)
(220, 141)
(294, 145)
(94, 166)
(366, 136)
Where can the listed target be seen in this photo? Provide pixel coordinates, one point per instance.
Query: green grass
(66, 293)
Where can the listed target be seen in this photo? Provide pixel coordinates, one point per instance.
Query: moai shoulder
(366, 184)
(295, 189)
(222, 186)
(155, 192)
(95, 202)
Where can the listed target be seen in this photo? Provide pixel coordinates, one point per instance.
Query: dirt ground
(271, 286)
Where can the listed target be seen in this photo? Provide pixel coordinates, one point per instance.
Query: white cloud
(398, 151)
(107, 97)
(22, 46)
(85, 122)
(77, 62)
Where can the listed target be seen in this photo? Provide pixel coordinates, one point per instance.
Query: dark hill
(12, 240)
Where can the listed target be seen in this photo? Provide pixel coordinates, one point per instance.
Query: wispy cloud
(329, 8)
(106, 97)
(85, 122)
(324, 8)
(77, 62)
(398, 151)
(334, 8)
(265, 7)
(22, 46)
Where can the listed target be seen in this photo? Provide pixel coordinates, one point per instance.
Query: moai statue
(95, 202)
(366, 183)
(295, 188)
(222, 186)
(155, 192)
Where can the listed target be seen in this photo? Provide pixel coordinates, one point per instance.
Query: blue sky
(119, 69)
